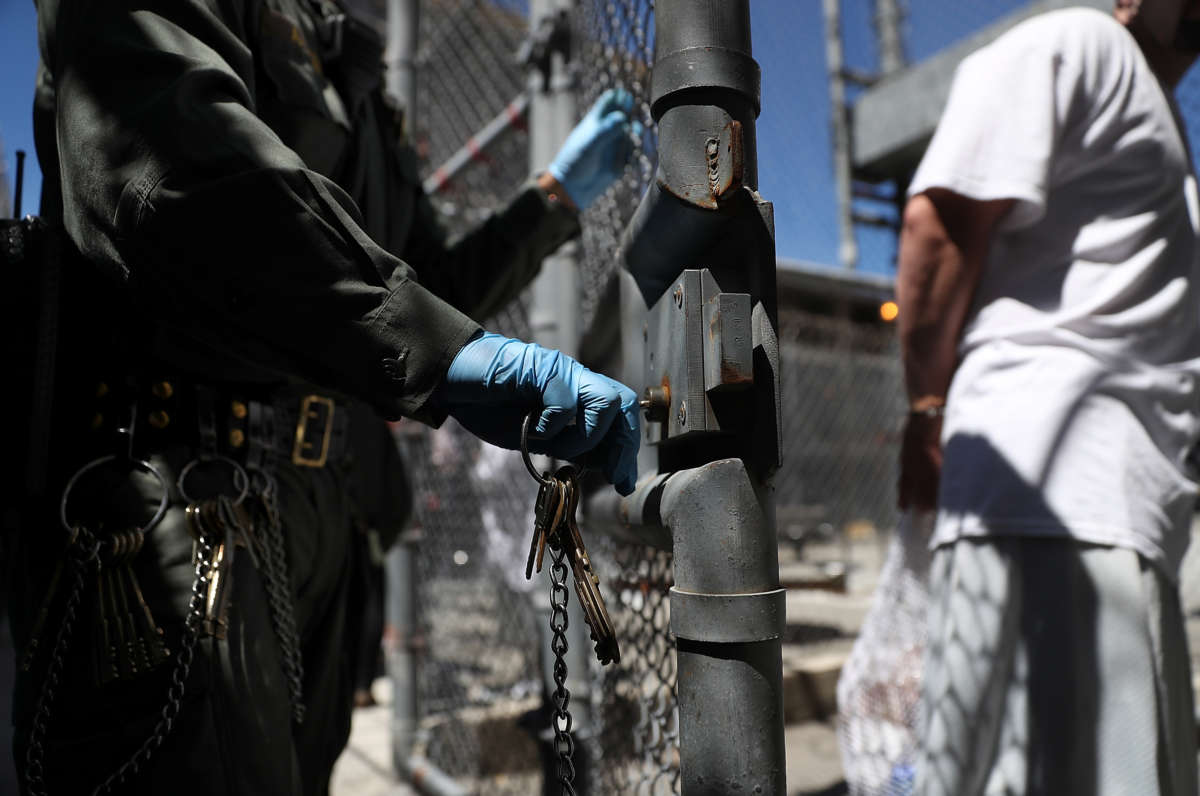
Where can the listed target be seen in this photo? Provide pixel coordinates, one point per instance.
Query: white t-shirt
(1075, 401)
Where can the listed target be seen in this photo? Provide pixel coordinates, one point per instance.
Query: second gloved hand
(596, 151)
(495, 381)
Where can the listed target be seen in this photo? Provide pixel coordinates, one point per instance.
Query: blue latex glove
(596, 151)
(495, 381)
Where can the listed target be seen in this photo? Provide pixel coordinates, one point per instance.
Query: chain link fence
(843, 410)
(481, 676)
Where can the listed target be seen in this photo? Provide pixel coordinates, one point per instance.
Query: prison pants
(1054, 668)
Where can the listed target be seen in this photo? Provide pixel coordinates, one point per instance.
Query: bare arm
(943, 244)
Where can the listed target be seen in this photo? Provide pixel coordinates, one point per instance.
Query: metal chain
(84, 551)
(564, 742)
(279, 596)
(179, 675)
(84, 556)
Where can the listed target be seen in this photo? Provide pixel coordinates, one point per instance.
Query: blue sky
(18, 67)
(794, 150)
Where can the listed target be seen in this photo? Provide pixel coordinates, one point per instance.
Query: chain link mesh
(475, 503)
(843, 410)
(638, 720)
(841, 382)
(467, 73)
(616, 49)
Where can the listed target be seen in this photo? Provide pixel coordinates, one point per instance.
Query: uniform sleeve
(1004, 117)
(485, 269)
(172, 181)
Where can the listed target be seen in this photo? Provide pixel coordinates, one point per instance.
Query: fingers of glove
(621, 467)
(624, 151)
(616, 455)
(576, 388)
(614, 99)
(577, 440)
(559, 393)
(553, 420)
(614, 126)
(625, 437)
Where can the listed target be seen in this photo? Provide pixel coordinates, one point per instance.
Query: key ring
(580, 471)
(541, 479)
(139, 464)
(241, 481)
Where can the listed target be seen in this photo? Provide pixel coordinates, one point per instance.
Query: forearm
(489, 266)
(935, 281)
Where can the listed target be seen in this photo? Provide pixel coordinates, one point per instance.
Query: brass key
(587, 585)
(236, 517)
(544, 519)
(106, 667)
(216, 606)
(153, 647)
(129, 651)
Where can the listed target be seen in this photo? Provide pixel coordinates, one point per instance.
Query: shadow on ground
(837, 789)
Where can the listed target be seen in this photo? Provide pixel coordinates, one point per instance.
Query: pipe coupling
(728, 618)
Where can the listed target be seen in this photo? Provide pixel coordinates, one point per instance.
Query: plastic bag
(880, 686)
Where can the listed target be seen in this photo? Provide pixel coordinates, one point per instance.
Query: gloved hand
(596, 151)
(495, 381)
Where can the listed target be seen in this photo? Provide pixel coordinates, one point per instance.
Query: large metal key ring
(241, 481)
(139, 464)
(541, 479)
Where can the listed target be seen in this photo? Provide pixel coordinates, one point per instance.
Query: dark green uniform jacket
(241, 182)
(247, 188)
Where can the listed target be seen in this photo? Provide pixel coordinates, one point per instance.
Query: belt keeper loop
(261, 435)
(206, 420)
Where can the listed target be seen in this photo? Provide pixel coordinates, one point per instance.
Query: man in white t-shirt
(1049, 291)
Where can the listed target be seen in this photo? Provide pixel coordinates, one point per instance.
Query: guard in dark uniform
(247, 248)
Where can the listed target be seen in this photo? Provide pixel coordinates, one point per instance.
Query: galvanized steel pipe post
(701, 249)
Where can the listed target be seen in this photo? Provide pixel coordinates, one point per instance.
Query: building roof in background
(893, 120)
(798, 281)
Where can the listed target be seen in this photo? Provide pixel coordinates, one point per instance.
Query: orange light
(888, 310)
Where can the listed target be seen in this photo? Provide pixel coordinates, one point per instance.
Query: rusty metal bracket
(699, 345)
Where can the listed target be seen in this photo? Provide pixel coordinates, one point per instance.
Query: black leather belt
(251, 425)
(307, 429)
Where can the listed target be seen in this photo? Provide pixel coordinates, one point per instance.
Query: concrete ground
(364, 769)
(821, 629)
(822, 625)
(813, 766)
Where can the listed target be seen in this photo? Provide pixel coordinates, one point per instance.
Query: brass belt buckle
(301, 452)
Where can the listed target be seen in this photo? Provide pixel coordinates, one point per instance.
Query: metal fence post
(727, 613)
(554, 318)
(403, 26)
(402, 639)
(840, 133)
(701, 248)
(889, 15)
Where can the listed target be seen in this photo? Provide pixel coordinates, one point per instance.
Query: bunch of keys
(554, 525)
(224, 521)
(127, 639)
